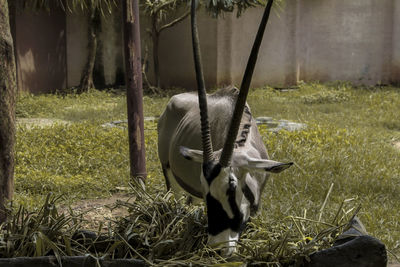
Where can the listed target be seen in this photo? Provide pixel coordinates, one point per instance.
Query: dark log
(155, 35)
(8, 88)
(92, 241)
(361, 251)
(134, 88)
(354, 247)
(82, 261)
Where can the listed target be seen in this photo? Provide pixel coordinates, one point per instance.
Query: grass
(94, 106)
(348, 143)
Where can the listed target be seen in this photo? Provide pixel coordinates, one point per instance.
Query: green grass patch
(99, 106)
(348, 143)
(80, 160)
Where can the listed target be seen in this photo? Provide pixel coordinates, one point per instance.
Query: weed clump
(326, 97)
(161, 230)
(160, 227)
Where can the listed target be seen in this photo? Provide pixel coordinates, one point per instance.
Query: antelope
(230, 178)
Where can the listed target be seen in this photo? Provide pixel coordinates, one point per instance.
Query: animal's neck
(244, 129)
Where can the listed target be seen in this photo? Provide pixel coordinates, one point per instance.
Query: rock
(361, 251)
(354, 228)
(72, 261)
(30, 123)
(354, 247)
(397, 145)
(151, 118)
(113, 124)
(94, 242)
(275, 126)
(271, 123)
(123, 123)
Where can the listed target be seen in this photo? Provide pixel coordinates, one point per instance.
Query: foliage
(162, 230)
(162, 8)
(325, 97)
(39, 232)
(216, 7)
(105, 6)
(163, 14)
(160, 227)
(102, 5)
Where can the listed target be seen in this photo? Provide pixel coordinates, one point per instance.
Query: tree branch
(175, 21)
(162, 6)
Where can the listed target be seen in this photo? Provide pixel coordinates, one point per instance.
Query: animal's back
(179, 125)
(177, 108)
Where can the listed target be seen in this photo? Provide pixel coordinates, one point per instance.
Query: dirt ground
(397, 145)
(39, 122)
(102, 210)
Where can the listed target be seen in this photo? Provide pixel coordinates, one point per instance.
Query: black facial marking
(250, 197)
(248, 194)
(211, 170)
(279, 168)
(187, 157)
(236, 223)
(218, 219)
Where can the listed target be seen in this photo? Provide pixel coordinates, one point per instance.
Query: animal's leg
(165, 168)
(189, 200)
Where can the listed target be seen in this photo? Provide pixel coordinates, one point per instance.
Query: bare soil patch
(397, 146)
(100, 211)
(39, 122)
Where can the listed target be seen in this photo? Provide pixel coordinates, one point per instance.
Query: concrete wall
(112, 47)
(327, 40)
(357, 41)
(345, 40)
(40, 50)
(109, 63)
(276, 63)
(77, 44)
(176, 53)
(395, 74)
(226, 44)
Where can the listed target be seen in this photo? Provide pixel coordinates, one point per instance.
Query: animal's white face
(231, 194)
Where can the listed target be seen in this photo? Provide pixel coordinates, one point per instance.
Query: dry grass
(162, 231)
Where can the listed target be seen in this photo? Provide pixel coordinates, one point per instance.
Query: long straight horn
(244, 89)
(205, 126)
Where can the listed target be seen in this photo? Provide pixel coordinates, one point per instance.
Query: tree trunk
(93, 30)
(7, 109)
(155, 36)
(134, 88)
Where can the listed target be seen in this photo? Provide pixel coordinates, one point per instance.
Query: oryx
(230, 178)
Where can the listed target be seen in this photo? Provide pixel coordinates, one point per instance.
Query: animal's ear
(191, 154)
(267, 165)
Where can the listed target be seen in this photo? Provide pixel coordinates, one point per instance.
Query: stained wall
(305, 40)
